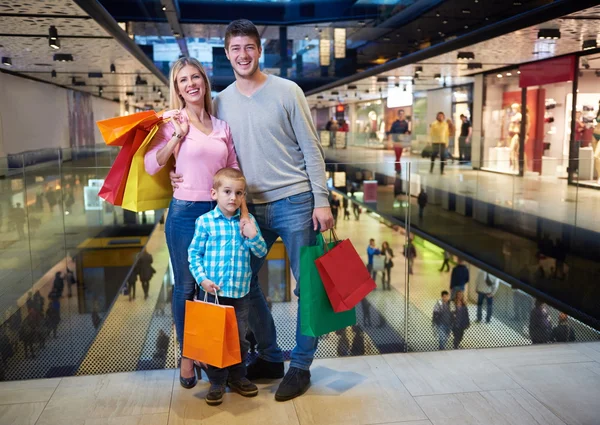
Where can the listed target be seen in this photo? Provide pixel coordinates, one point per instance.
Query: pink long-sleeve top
(198, 158)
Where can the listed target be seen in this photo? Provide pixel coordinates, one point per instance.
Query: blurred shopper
(563, 332)
(451, 137)
(540, 324)
(460, 318)
(131, 283)
(459, 277)
(52, 319)
(371, 252)
(388, 263)
(422, 201)
(345, 205)
(335, 209)
(486, 287)
(398, 132)
(438, 136)
(356, 210)
(358, 343)
(145, 270)
(410, 252)
(59, 284)
(18, 220)
(464, 140)
(51, 197)
(442, 319)
(446, 263)
(366, 311)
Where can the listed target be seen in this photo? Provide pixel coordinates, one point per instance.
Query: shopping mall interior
(509, 191)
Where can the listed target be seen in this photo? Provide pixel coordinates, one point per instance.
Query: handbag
(345, 278)
(210, 333)
(317, 316)
(378, 263)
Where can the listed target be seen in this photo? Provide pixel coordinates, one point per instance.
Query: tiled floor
(549, 385)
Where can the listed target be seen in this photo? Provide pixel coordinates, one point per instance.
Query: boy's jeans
(291, 219)
(443, 335)
(234, 372)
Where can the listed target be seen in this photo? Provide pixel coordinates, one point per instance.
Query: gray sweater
(275, 140)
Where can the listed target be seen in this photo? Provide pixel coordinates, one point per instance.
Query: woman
(387, 264)
(460, 318)
(201, 145)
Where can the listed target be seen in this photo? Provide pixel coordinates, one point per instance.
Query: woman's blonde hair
(175, 99)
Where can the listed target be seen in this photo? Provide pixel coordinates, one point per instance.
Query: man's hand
(249, 229)
(210, 286)
(175, 179)
(322, 219)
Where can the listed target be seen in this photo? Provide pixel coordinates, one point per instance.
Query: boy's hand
(243, 222)
(210, 286)
(249, 229)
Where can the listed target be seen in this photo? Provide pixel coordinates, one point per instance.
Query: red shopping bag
(114, 184)
(345, 277)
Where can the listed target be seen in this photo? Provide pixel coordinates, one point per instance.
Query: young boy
(219, 257)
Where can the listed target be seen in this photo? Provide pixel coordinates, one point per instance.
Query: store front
(533, 126)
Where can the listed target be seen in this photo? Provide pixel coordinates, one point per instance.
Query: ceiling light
(509, 74)
(164, 8)
(361, 22)
(517, 3)
(53, 74)
(95, 75)
(63, 57)
(465, 56)
(518, 72)
(100, 88)
(437, 14)
(320, 96)
(382, 79)
(474, 65)
(549, 34)
(466, 27)
(129, 93)
(418, 29)
(6, 61)
(418, 69)
(306, 37)
(159, 92)
(444, 21)
(112, 68)
(499, 75)
(335, 93)
(351, 87)
(53, 40)
(438, 77)
(386, 39)
(466, 11)
(589, 44)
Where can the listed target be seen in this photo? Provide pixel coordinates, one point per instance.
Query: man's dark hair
(371, 240)
(240, 28)
(463, 116)
(445, 293)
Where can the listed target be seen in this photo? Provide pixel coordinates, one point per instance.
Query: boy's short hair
(241, 28)
(228, 173)
(445, 293)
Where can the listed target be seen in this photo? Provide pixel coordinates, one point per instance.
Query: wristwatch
(179, 136)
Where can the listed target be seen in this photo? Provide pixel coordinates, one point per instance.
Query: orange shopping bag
(117, 131)
(210, 333)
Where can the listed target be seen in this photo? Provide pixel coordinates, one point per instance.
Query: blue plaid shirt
(221, 253)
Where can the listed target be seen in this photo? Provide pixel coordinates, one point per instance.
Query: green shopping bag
(316, 313)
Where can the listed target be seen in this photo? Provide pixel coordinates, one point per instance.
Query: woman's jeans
(179, 229)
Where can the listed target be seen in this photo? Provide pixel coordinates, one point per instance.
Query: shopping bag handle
(216, 297)
(332, 238)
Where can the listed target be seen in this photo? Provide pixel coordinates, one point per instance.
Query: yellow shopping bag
(144, 192)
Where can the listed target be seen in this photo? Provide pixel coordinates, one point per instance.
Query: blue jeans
(490, 303)
(291, 219)
(179, 229)
(454, 290)
(443, 335)
(237, 371)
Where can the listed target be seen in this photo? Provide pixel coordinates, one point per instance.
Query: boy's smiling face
(229, 195)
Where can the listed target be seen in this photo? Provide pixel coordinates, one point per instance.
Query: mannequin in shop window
(514, 129)
(596, 145)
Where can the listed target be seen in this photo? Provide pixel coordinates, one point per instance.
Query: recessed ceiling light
(509, 74)
(6, 61)
(63, 57)
(518, 72)
(112, 68)
(438, 77)
(474, 65)
(437, 14)
(53, 40)
(589, 44)
(466, 27)
(549, 34)
(444, 21)
(164, 8)
(418, 70)
(465, 56)
(466, 11)
(306, 37)
(499, 75)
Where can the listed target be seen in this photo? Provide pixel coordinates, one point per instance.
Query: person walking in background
(371, 252)
(410, 252)
(388, 263)
(345, 206)
(422, 201)
(464, 140)
(439, 136)
(335, 209)
(451, 137)
(145, 270)
(486, 288)
(18, 219)
(398, 131)
(52, 319)
(442, 319)
(459, 277)
(366, 312)
(446, 263)
(131, 282)
(59, 284)
(540, 324)
(563, 332)
(356, 210)
(460, 318)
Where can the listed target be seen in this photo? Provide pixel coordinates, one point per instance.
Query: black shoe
(188, 382)
(262, 369)
(294, 384)
(199, 368)
(244, 387)
(215, 394)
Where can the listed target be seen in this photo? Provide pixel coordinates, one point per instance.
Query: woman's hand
(175, 179)
(181, 124)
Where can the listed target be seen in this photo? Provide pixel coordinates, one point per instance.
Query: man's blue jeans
(179, 229)
(291, 219)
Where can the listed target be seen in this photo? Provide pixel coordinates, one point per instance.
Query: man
(422, 201)
(459, 278)
(372, 250)
(439, 135)
(486, 288)
(442, 319)
(269, 117)
(397, 131)
(464, 140)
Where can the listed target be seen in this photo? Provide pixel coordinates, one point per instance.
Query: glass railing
(67, 297)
